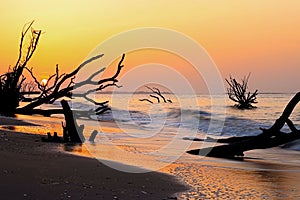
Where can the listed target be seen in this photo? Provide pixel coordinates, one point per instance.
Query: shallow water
(150, 136)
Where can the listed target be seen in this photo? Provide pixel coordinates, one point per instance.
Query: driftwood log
(72, 133)
(71, 130)
(271, 137)
(156, 95)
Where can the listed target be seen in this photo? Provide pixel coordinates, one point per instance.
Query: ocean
(139, 137)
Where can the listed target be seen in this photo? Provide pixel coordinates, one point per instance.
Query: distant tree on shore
(13, 83)
(238, 93)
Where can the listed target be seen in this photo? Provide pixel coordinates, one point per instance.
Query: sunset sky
(261, 37)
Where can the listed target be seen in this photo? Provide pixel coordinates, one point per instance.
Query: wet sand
(9, 121)
(34, 169)
(31, 169)
(219, 182)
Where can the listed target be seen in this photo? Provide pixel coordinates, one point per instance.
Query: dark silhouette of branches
(157, 98)
(11, 82)
(269, 138)
(237, 92)
(156, 95)
(146, 100)
(28, 88)
(157, 92)
(51, 92)
(13, 86)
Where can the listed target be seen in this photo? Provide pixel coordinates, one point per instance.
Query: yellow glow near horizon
(262, 37)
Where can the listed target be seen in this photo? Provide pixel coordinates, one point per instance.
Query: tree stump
(71, 128)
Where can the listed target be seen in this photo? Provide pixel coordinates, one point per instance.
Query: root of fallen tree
(269, 138)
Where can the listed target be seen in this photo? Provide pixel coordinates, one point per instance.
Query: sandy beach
(31, 169)
(161, 100)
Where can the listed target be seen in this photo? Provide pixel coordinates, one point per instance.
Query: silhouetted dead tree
(58, 85)
(271, 137)
(237, 92)
(55, 88)
(157, 95)
(11, 82)
(72, 133)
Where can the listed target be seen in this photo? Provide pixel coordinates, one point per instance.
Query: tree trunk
(71, 128)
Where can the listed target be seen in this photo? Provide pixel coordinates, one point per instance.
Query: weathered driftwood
(271, 137)
(237, 92)
(71, 128)
(53, 92)
(72, 133)
(13, 85)
(93, 136)
(156, 95)
(146, 100)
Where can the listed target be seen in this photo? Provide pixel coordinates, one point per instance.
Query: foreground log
(71, 129)
(271, 137)
(72, 133)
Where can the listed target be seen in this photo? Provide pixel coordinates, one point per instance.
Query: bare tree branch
(157, 98)
(57, 85)
(11, 82)
(157, 95)
(146, 100)
(53, 92)
(237, 92)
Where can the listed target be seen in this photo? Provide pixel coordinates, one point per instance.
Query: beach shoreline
(36, 170)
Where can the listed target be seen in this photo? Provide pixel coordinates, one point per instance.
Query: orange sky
(261, 37)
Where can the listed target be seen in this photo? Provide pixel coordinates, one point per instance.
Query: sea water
(135, 131)
(160, 128)
(154, 136)
(151, 136)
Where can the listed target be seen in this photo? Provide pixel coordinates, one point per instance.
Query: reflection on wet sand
(209, 180)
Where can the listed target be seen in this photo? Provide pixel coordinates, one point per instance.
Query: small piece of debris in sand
(144, 192)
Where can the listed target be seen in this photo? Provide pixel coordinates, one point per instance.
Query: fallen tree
(57, 90)
(271, 137)
(13, 85)
(58, 86)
